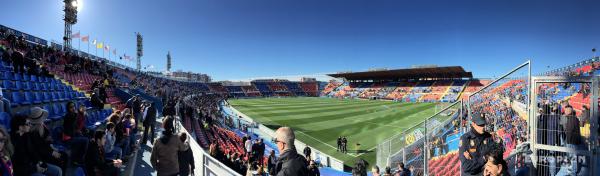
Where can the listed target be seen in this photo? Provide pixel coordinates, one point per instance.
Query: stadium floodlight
(70, 19)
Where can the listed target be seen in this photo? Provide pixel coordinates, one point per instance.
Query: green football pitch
(318, 122)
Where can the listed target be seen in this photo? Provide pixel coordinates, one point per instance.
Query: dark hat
(478, 119)
(37, 115)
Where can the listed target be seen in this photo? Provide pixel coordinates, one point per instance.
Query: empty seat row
(28, 98)
(9, 75)
(19, 85)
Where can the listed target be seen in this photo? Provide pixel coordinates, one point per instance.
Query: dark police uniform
(478, 145)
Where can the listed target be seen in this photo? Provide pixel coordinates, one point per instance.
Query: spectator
(306, 151)
(6, 152)
(248, 146)
(4, 104)
(261, 151)
(96, 100)
(474, 145)
(186, 158)
(573, 135)
(388, 171)
(402, 171)
(78, 143)
(112, 152)
(313, 170)
(164, 152)
(50, 158)
(271, 162)
(289, 163)
(18, 62)
(375, 171)
(360, 168)
(23, 160)
(96, 163)
(495, 165)
(149, 123)
(81, 118)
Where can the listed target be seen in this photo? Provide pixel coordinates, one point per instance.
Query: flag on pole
(107, 48)
(85, 38)
(115, 51)
(76, 35)
(99, 45)
(94, 42)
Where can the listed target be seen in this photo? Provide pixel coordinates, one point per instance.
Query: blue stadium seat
(17, 85)
(26, 85)
(29, 98)
(39, 97)
(35, 86)
(51, 86)
(79, 172)
(5, 120)
(57, 110)
(54, 96)
(60, 87)
(67, 95)
(33, 78)
(63, 107)
(43, 86)
(3, 76)
(7, 84)
(25, 77)
(47, 97)
(61, 96)
(17, 98)
(42, 79)
(17, 77)
(9, 75)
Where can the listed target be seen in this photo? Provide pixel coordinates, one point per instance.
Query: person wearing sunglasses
(474, 145)
(290, 163)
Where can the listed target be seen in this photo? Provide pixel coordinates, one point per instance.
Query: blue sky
(237, 39)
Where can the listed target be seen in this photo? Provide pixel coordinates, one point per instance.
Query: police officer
(474, 145)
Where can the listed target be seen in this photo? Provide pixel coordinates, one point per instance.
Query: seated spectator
(164, 152)
(290, 162)
(6, 152)
(81, 119)
(4, 104)
(23, 160)
(112, 152)
(360, 168)
(186, 158)
(96, 164)
(77, 142)
(96, 100)
(52, 160)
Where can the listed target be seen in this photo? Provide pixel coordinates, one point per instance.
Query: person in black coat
(290, 163)
(96, 164)
(149, 123)
(186, 158)
(23, 160)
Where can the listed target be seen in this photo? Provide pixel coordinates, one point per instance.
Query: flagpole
(79, 43)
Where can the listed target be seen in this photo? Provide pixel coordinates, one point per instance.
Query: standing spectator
(96, 163)
(313, 170)
(306, 151)
(339, 144)
(271, 162)
(248, 147)
(186, 158)
(402, 171)
(573, 135)
(96, 100)
(388, 171)
(345, 144)
(4, 104)
(289, 163)
(473, 147)
(261, 151)
(77, 143)
(6, 152)
(18, 62)
(149, 123)
(164, 152)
